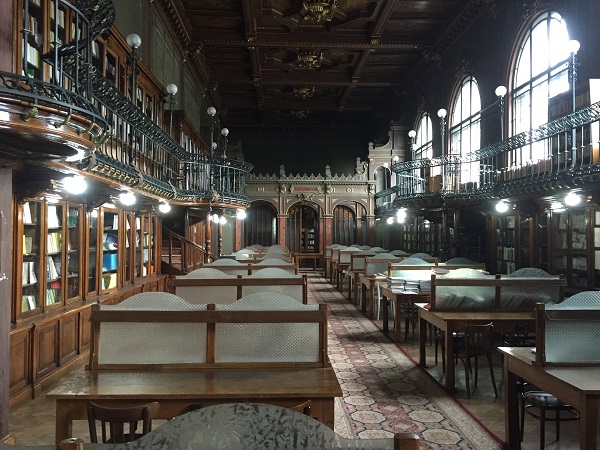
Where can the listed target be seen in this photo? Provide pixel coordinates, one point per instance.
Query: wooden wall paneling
(84, 329)
(68, 337)
(20, 378)
(45, 350)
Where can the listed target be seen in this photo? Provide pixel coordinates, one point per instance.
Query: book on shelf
(52, 273)
(54, 241)
(28, 273)
(27, 214)
(28, 303)
(27, 245)
(53, 220)
(61, 16)
(52, 296)
(33, 56)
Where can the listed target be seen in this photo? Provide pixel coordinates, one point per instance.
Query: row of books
(28, 275)
(506, 253)
(28, 303)
(54, 241)
(53, 268)
(408, 286)
(52, 296)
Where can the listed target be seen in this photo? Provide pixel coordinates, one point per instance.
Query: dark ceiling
(279, 65)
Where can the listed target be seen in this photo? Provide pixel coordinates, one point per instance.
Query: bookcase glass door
(130, 238)
(110, 242)
(92, 274)
(34, 18)
(145, 245)
(74, 235)
(30, 275)
(54, 255)
(596, 238)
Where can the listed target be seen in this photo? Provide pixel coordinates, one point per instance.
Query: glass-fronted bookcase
(51, 236)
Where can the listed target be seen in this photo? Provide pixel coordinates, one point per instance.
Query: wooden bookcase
(50, 245)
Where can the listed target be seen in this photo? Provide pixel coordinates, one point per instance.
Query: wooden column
(281, 218)
(208, 234)
(219, 239)
(5, 294)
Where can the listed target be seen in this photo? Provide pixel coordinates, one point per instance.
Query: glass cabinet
(31, 213)
(110, 249)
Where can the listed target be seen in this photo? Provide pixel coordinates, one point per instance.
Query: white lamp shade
(225, 132)
(412, 134)
(211, 111)
(574, 46)
(500, 91)
(241, 214)
(134, 41)
(442, 113)
(164, 208)
(572, 199)
(501, 207)
(172, 89)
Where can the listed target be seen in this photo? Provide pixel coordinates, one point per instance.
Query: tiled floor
(33, 423)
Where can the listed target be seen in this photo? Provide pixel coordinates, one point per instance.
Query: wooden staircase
(181, 255)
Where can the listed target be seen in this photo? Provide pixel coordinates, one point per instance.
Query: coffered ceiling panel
(290, 63)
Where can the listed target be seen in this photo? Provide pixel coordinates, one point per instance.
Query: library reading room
(377, 221)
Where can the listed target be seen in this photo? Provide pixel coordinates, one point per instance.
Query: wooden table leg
(363, 306)
(328, 412)
(511, 408)
(385, 306)
(398, 322)
(422, 339)
(588, 423)
(449, 343)
(64, 424)
(356, 281)
(371, 298)
(350, 277)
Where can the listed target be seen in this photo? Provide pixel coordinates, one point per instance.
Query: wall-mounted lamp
(222, 220)
(573, 49)
(442, 115)
(74, 185)
(500, 93)
(390, 220)
(412, 134)
(401, 215)
(134, 41)
(171, 90)
(215, 218)
(572, 199)
(241, 214)
(501, 207)
(164, 208)
(127, 198)
(224, 133)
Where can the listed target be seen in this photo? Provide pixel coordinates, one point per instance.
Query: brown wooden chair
(116, 418)
(478, 340)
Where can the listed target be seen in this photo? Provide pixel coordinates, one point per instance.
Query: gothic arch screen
(344, 226)
(302, 229)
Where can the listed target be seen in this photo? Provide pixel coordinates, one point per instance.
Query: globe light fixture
(390, 220)
(241, 214)
(127, 198)
(74, 185)
(501, 207)
(164, 207)
(572, 199)
(134, 41)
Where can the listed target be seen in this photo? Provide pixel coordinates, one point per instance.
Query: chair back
(114, 419)
(479, 339)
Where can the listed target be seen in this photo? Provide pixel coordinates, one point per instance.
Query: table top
(585, 379)
(197, 384)
(477, 315)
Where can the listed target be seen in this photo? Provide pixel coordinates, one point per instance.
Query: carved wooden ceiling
(297, 63)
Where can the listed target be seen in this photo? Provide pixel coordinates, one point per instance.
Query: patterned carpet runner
(384, 391)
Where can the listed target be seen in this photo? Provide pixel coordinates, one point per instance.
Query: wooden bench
(190, 356)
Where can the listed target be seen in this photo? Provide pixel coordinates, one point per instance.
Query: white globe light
(223, 220)
(127, 198)
(241, 214)
(75, 185)
(500, 91)
(134, 41)
(572, 199)
(574, 46)
(225, 132)
(164, 208)
(501, 206)
(390, 220)
(172, 89)
(211, 111)
(442, 113)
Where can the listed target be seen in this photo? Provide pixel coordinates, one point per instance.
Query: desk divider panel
(193, 337)
(567, 336)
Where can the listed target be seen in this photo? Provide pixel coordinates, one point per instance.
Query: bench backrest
(227, 290)
(269, 329)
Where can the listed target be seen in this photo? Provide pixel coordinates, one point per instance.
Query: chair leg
(542, 428)
(489, 358)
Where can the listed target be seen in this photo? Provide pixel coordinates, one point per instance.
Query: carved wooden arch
(352, 204)
(312, 204)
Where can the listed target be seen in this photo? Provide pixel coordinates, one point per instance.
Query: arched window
(423, 147)
(465, 131)
(541, 72)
